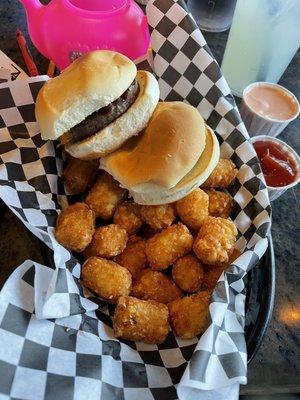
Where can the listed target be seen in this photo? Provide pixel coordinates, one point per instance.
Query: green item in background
(264, 37)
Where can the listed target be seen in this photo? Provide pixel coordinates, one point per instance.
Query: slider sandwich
(174, 154)
(96, 104)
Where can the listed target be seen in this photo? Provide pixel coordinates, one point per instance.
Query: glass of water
(263, 39)
(215, 15)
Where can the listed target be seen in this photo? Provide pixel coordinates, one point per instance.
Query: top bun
(201, 171)
(91, 82)
(164, 153)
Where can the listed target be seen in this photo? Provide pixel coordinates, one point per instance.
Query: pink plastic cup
(65, 29)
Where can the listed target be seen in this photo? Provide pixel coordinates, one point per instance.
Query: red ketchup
(278, 166)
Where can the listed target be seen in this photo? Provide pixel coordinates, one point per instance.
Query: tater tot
(141, 320)
(232, 257)
(168, 245)
(211, 278)
(134, 238)
(75, 227)
(158, 217)
(154, 285)
(187, 273)
(193, 209)
(189, 315)
(133, 257)
(128, 216)
(222, 176)
(108, 241)
(79, 175)
(104, 196)
(220, 203)
(215, 240)
(106, 278)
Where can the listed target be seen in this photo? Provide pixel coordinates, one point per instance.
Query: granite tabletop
(275, 369)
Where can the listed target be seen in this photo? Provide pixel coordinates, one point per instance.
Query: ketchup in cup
(277, 165)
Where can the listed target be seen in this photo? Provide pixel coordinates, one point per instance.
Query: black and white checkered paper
(57, 344)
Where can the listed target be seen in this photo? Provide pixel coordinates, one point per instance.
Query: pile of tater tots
(158, 264)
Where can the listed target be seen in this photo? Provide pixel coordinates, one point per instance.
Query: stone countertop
(275, 367)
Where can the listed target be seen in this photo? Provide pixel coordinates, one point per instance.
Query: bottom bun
(132, 122)
(201, 171)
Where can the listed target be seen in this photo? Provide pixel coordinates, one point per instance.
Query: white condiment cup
(258, 124)
(275, 192)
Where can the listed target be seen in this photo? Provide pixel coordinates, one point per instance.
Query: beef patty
(102, 117)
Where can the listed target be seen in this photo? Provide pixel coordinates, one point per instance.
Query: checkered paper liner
(63, 343)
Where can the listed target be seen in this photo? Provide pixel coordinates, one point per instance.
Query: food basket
(63, 342)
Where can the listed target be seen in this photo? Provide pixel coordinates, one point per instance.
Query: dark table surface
(275, 368)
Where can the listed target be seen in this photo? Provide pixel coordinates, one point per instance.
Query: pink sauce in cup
(271, 102)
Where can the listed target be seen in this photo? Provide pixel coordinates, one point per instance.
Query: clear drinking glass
(215, 15)
(264, 37)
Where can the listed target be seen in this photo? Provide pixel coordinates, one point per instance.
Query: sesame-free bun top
(91, 82)
(198, 174)
(164, 153)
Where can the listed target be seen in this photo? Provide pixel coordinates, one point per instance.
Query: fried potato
(75, 227)
(193, 209)
(133, 257)
(154, 285)
(220, 203)
(215, 240)
(141, 320)
(158, 217)
(128, 216)
(104, 196)
(222, 176)
(108, 241)
(232, 257)
(211, 277)
(213, 272)
(106, 278)
(187, 273)
(189, 315)
(166, 246)
(133, 239)
(80, 175)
